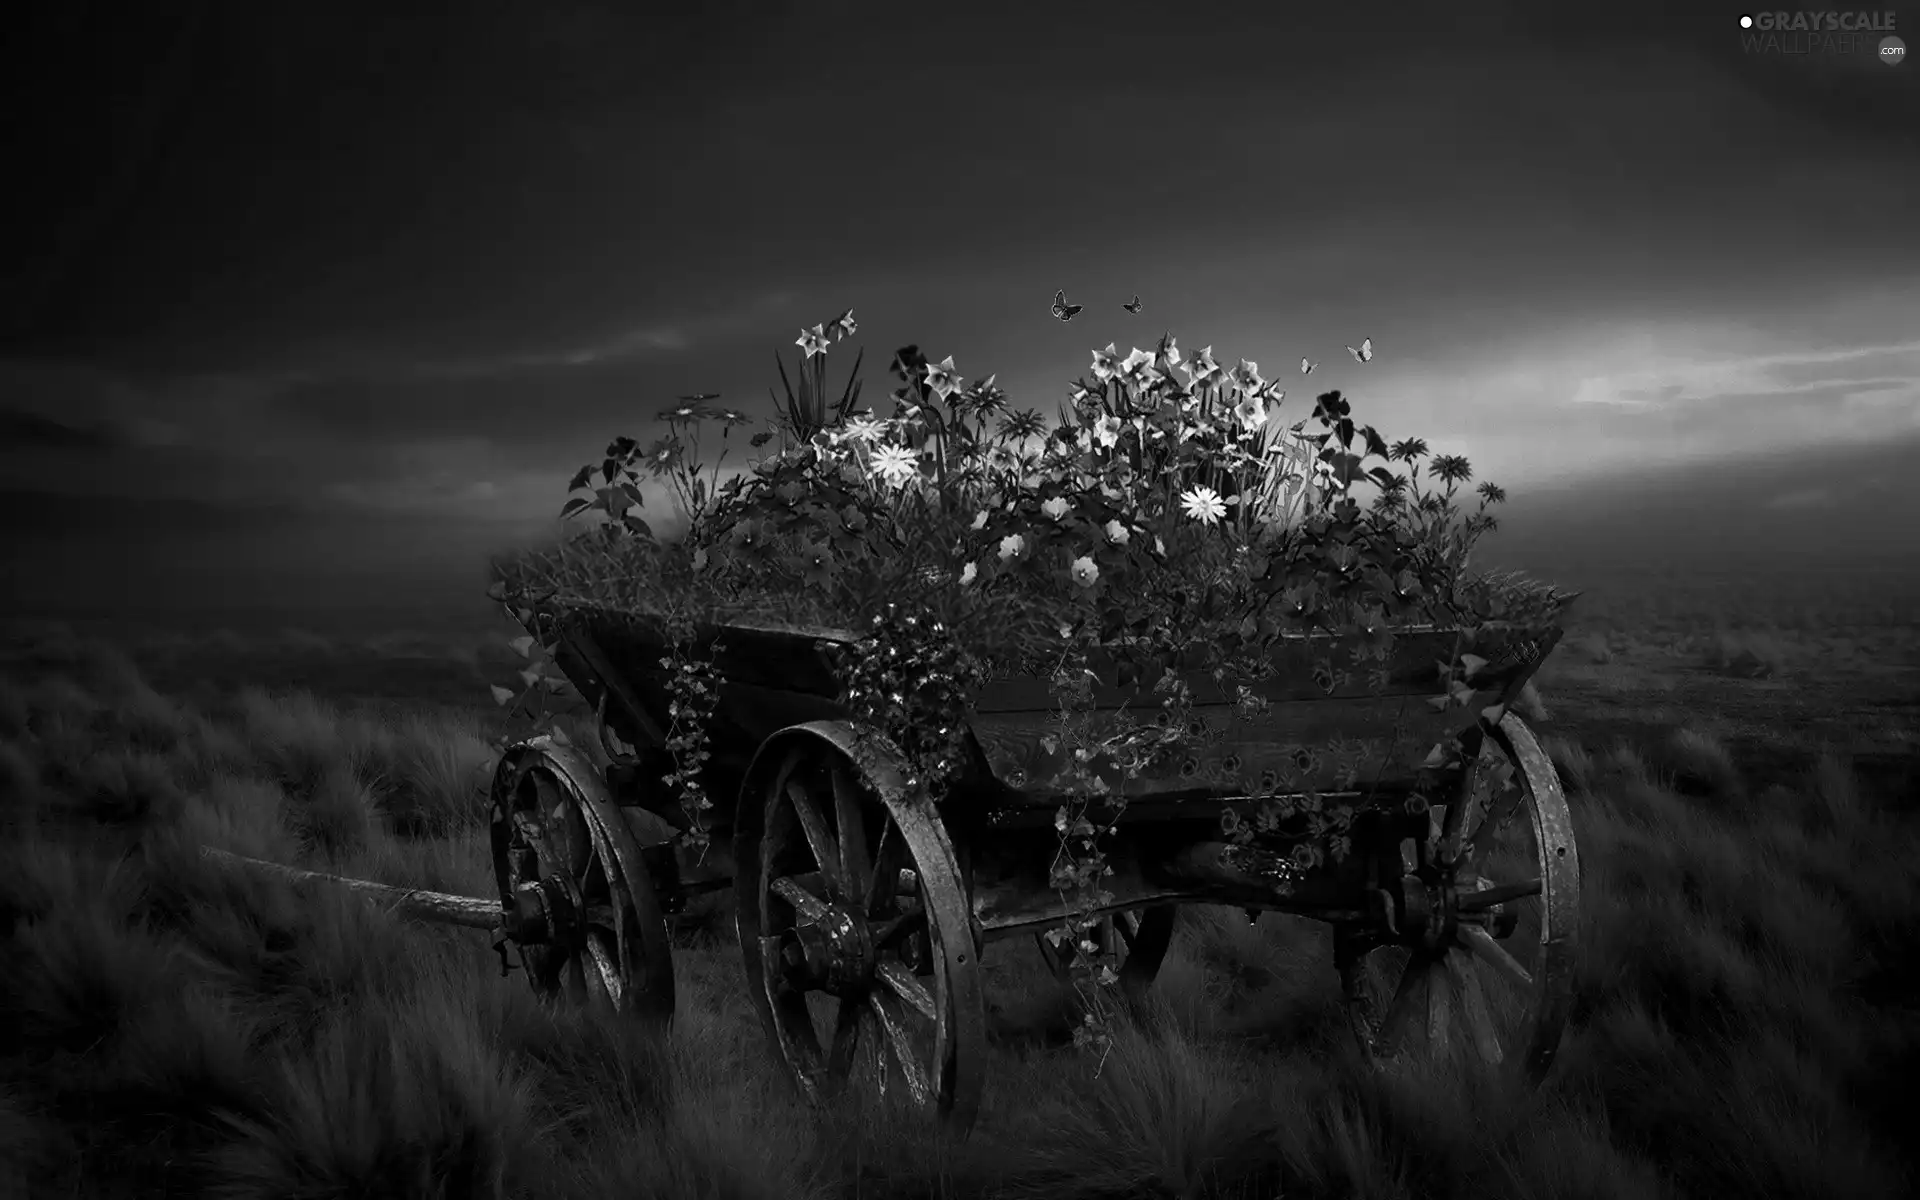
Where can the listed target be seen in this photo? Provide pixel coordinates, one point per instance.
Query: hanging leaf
(501, 696)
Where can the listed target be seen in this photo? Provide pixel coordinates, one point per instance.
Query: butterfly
(1135, 306)
(1062, 309)
(1306, 368)
(1364, 353)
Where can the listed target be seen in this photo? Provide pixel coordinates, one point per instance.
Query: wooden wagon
(863, 905)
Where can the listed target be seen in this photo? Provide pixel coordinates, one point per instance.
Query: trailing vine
(1163, 531)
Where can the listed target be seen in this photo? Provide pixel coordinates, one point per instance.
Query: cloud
(1818, 497)
(1873, 489)
(32, 431)
(1675, 381)
(633, 341)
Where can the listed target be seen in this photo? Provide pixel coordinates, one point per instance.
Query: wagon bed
(1335, 722)
(862, 904)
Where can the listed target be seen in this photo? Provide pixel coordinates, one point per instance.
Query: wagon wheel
(1138, 936)
(1484, 963)
(579, 899)
(854, 925)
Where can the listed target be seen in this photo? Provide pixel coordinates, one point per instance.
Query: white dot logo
(1893, 51)
(1746, 22)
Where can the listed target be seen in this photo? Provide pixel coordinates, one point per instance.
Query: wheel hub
(833, 954)
(543, 912)
(1428, 915)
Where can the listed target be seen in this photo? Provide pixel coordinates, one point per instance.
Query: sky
(347, 291)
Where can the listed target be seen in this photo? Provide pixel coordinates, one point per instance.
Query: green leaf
(581, 479)
(523, 646)
(573, 506)
(501, 696)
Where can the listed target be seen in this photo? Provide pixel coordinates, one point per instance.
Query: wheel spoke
(1440, 1010)
(846, 1038)
(1453, 828)
(905, 984)
(884, 886)
(855, 867)
(892, 1022)
(819, 837)
(1497, 894)
(1406, 1012)
(1483, 946)
(1495, 819)
(809, 906)
(1481, 1034)
(886, 932)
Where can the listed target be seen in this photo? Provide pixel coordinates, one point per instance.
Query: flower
(1106, 430)
(844, 325)
(1056, 508)
(732, 416)
(863, 427)
(812, 341)
(1117, 533)
(1170, 350)
(1200, 366)
(1203, 504)
(894, 464)
(1023, 425)
(1012, 546)
(1085, 571)
(968, 574)
(941, 378)
(1246, 376)
(1251, 412)
(979, 520)
(1137, 363)
(1103, 362)
(690, 408)
(663, 454)
(816, 564)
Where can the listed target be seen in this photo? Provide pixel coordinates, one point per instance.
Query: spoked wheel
(853, 923)
(579, 899)
(1482, 963)
(1138, 937)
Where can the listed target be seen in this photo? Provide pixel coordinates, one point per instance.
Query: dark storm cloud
(393, 255)
(32, 431)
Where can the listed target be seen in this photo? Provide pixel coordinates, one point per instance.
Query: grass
(1744, 1024)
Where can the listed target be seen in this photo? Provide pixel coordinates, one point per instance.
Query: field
(1739, 754)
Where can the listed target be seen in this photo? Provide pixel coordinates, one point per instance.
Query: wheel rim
(580, 902)
(1139, 937)
(855, 933)
(1492, 979)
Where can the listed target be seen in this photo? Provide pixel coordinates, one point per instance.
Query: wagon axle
(1428, 915)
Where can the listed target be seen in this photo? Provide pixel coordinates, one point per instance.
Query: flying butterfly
(1062, 309)
(1364, 353)
(1306, 368)
(1135, 306)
